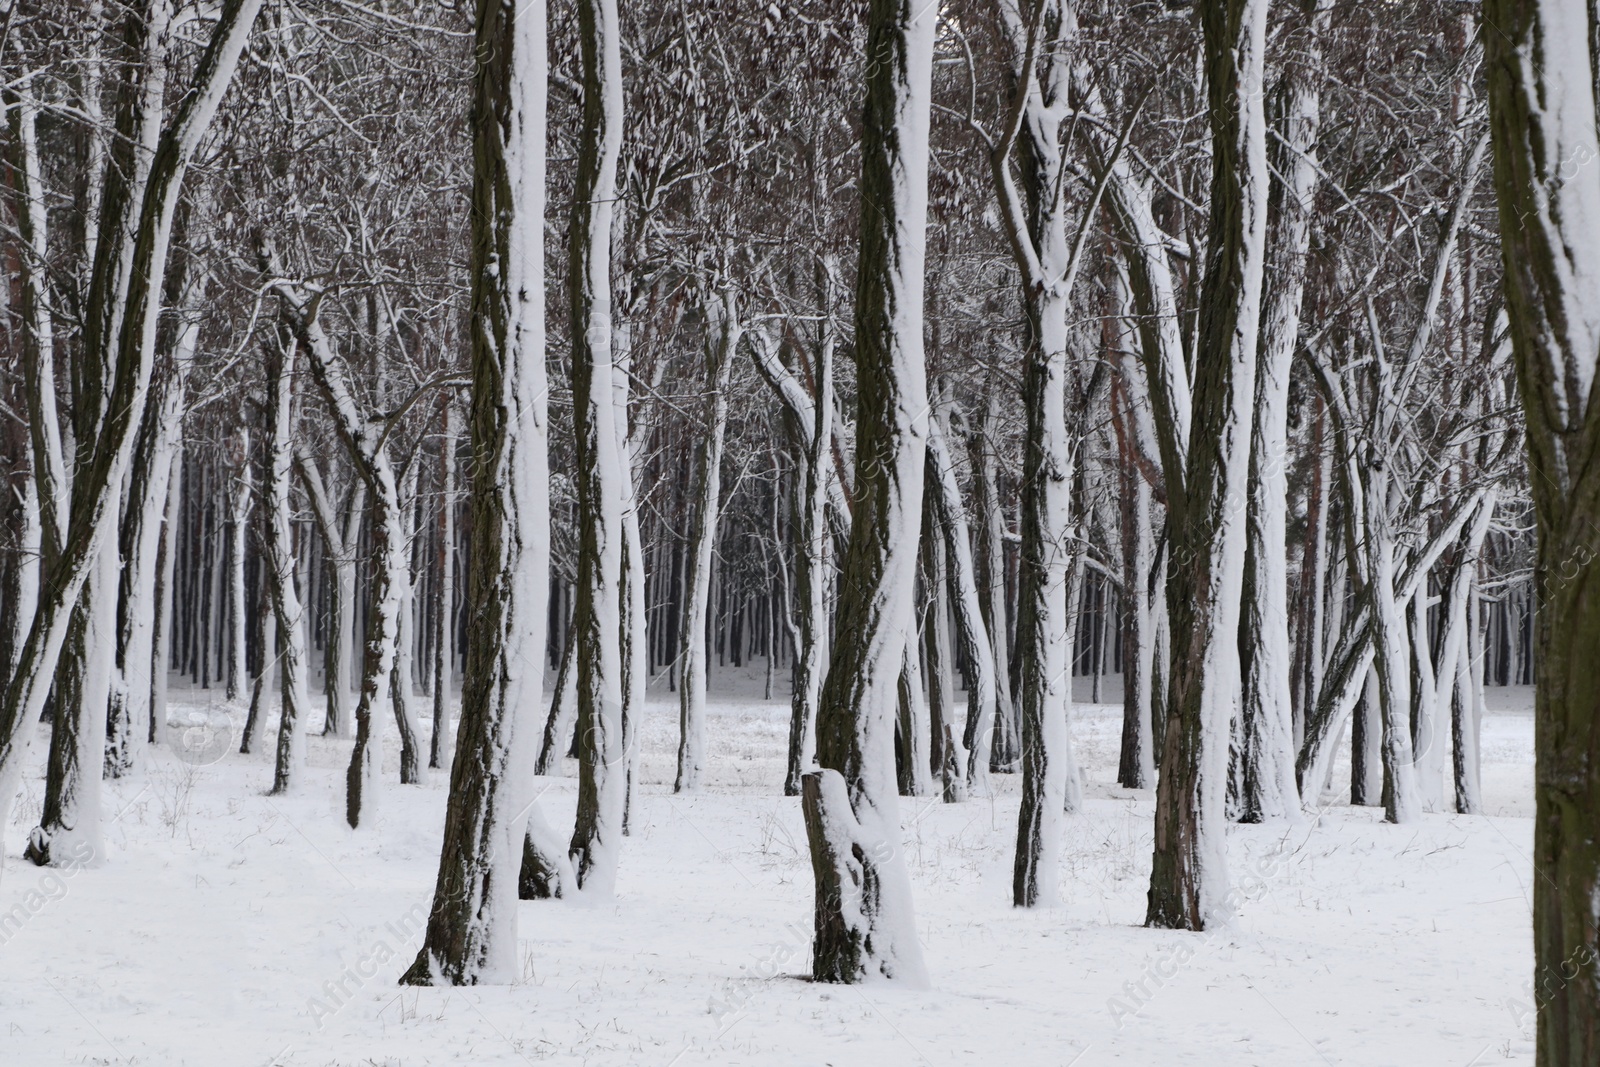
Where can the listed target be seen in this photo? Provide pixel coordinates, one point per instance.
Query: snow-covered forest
(821, 531)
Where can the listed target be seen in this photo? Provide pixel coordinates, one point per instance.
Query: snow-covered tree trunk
(1266, 726)
(1539, 58)
(1189, 878)
(69, 826)
(340, 533)
(444, 635)
(238, 520)
(166, 559)
(722, 341)
(280, 561)
(1392, 650)
(601, 475)
(813, 420)
(863, 912)
(129, 339)
(563, 712)
(472, 932)
(1001, 747)
(1036, 226)
(974, 635)
(945, 758)
(402, 687)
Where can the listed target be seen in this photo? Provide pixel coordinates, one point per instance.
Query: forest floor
(230, 927)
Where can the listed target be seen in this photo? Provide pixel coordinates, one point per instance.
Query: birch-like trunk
(982, 698)
(444, 635)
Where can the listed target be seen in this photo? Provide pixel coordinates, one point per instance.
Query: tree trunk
(472, 928)
(281, 562)
(601, 492)
(132, 343)
(444, 633)
(1542, 108)
(1188, 877)
(722, 341)
(863, 914)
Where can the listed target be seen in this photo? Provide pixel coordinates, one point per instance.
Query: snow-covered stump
(863, 915)
(1189, 876)
(602, 479)
(472, 927)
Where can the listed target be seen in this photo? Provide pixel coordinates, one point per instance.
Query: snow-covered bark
(913, 773)
(814, 421)
(1539, 59)
(863, 912)
(340, 530)
(280, 561)
(402, 687)
(238, 520)
(440, 748)
(724, 330)
(1266, 727)
(1189, 878)
(1001, 746)
(69, 825)
(472, 933)
(96, 486)
(601, 474)
(132, 686)
(945, 758)
(1035, 219)
(166, 560)
(974, 635)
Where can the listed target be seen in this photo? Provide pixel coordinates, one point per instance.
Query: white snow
(230, 927)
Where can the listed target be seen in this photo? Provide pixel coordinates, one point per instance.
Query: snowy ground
(234, 928)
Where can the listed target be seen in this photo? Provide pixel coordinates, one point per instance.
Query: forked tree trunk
(1539, 57)
(472, 925)
(863, 913)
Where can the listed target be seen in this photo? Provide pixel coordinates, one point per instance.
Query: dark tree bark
(1188, 877)
(1539, 58)
(472, 927)
(849, 803)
